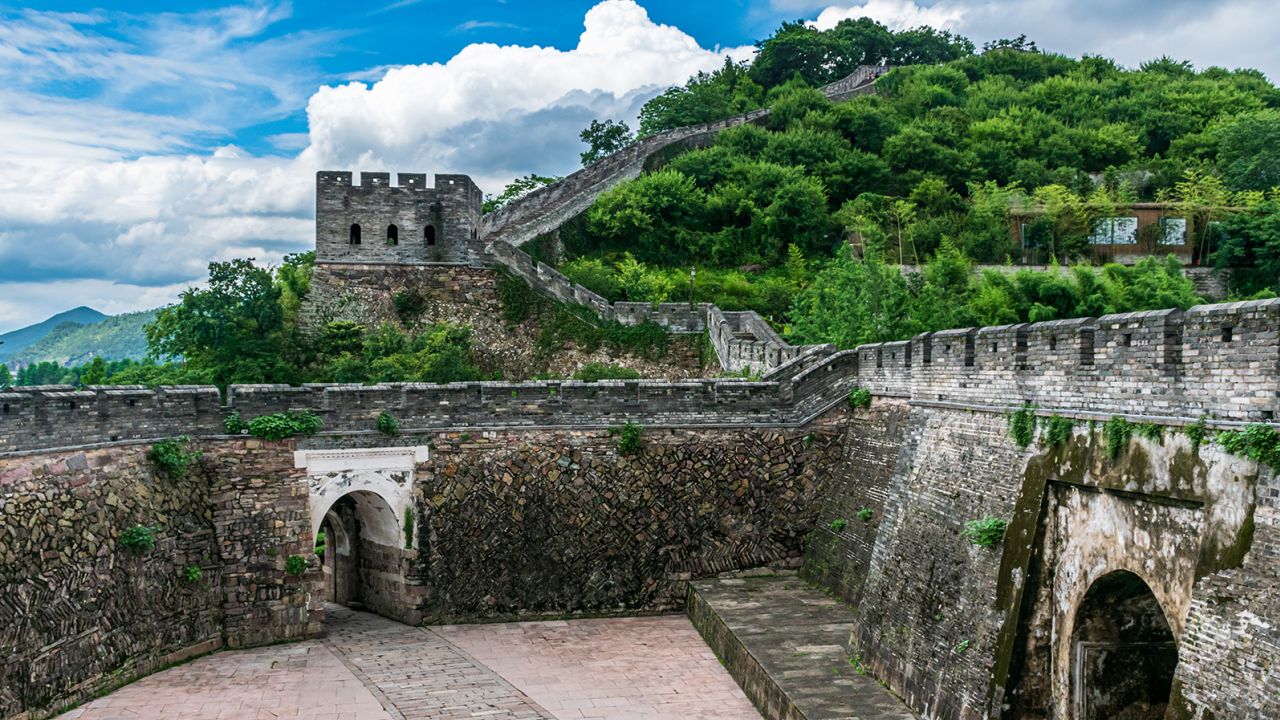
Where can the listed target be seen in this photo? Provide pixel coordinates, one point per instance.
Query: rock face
(80, 612)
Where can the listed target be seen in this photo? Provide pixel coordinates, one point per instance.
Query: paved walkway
(370, 668)
(649, 667)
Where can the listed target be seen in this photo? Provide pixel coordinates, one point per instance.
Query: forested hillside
(116, 337)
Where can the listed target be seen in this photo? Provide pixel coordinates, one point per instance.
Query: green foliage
(388, 424)
(1022, 425)
(859, 398)
(865, 514)
(596, 371)
(837, 525)
(1058, 431)
(1197, 432)
(295, 565)
(986, 533)
(235, 424)
(409, 303)
(1257, 441)
(192, 573)
(281, 425)
(1117, 432)
(6, 378)
(628, 436)
(118, 337)
(961, 647)
(603, 139)
(138, 539)
(408, 528)
(171, 457)
(515, 190)
(1151, 431)
(322, 544)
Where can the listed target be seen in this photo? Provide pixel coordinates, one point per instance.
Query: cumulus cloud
(895, 14)
(113, 208)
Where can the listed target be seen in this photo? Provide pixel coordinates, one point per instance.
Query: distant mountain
(19, 340)
(116, 337)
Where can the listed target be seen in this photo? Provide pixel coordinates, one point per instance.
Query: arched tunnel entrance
(361, 541)
(1123, 654)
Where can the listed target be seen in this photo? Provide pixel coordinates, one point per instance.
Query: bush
(192, 573)
(1257, 441)
(859, 398)
(281, 425)
(837, 525)
(170, 457)
(1022, 425)
(987, 532)
(595, 371)
(387, 424)
(1117, 431)
(234, 424)
(138, 539)
(322, 544)
(1058, 431)
(409, 304)
(865, 514)
(628, 437)
(295, 565)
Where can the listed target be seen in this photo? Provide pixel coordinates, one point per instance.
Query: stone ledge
(784, 643)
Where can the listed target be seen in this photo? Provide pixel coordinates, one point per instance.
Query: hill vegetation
(115, 337)
(14, 342)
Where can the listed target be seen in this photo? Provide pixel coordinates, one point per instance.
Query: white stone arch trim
(387, 473)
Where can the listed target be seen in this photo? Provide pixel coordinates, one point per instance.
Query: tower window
(393, 235)
(430, 233)
(355, 233)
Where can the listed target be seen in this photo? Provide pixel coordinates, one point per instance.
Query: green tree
(6, 377)
(705, 98)
(233, 330)
(656, 215)
(95, 373)
(517, 188)
(1251, 247)
(1249, 150)
(604, 139)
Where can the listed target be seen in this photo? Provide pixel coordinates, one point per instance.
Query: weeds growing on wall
(1197, 432)
(192, 573)
(172, 458)
(409, 304)
(1058, 430)
(408, 528)
(1117, 431)
(1257, 441)
(628, 437)
(295, 565)
(234, 424)
(1022, 425)
(1151, 431)
(987, 532)
(138, 539)
(281, 425)
(837, 525)
(387, 424)
(865, 514)
(859, 398)
(322, 544)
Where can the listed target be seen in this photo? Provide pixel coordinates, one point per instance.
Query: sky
(140, 141)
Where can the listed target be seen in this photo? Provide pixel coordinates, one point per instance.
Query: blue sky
(141, 140)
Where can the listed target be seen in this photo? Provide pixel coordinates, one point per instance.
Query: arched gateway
(362, 500)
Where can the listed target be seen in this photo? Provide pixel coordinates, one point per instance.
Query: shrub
(138, 539)
(1117, 431)
(281, 425)
(1150, 431)
(595, 371)
(409, 304)
(628, 437)
(987, 532)
(235, 425)
(1257, 441)
(295, 565)
(322, 544)
(1058, 430)
(1022, 425)
(408, 528)
(170, 457)
(192, 573)
(1197, 432)
(837, 525)
(865, 514)
(387, 424)
(859, 398)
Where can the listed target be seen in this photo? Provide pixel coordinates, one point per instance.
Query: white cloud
(896, 14)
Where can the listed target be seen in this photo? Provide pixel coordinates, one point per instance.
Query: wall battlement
(1219, 361)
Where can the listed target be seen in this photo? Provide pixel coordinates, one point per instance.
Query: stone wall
(469, 296)
(518, 524)
(79, 614)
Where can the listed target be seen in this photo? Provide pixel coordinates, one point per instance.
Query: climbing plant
(1117, 431)
(171, 457)
(987, 532)
(1257, 441)
(1022, 425)
(1058, 430)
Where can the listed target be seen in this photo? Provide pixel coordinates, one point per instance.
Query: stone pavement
(785, 643)
(643, 667)
(370, 668)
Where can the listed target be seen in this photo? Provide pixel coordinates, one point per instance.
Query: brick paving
(649, 667)
(370, 668)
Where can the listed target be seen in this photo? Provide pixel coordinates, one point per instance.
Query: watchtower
(406, 223)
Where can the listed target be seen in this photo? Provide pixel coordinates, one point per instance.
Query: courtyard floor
(370, 668)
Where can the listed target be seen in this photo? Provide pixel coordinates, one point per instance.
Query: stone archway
(363, 500)
(1123, 652)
